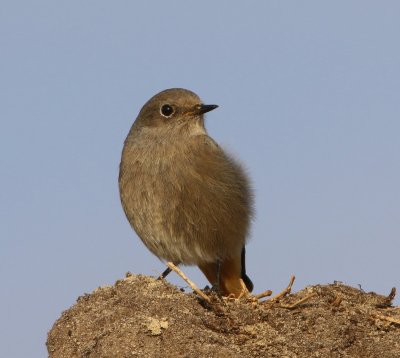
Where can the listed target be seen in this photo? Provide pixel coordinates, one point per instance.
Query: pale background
(309, 101)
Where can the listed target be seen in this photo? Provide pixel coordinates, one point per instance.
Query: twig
(299, 302)
(392, 294)
(230, 297)
(338, 299)
(283, 293)
(261, 295)
(189, 282)
(387, 300)
(386, 318)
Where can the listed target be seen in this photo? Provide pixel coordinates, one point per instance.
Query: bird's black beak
(204, 108)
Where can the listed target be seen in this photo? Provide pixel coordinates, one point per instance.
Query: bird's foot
(216, 288)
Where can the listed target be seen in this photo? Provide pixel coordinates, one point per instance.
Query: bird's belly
(178, 219)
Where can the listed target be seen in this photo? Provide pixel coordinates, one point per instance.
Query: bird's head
(173, 109)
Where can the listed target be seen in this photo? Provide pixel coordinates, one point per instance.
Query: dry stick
(387, 300)
(392, 294)
(386, 318)
(299, 302)
(230, 297)
(283, 293)
(336, 302)
(263, 294)
(190, 283)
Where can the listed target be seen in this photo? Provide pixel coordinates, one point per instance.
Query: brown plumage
(188, 201)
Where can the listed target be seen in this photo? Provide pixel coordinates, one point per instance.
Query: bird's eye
(167, 110)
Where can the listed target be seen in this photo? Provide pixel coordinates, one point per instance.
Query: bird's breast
(187, 194)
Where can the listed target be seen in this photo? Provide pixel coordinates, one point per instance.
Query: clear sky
(309, 95)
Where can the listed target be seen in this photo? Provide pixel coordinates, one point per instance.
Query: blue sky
(309, 102)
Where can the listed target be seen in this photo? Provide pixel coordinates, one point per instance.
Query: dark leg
(218, 273)
(216, 287)
(164, 274)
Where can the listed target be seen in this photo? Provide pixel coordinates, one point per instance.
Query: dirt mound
(142, 317)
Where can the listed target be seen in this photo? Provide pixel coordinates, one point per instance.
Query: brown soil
(142, 317)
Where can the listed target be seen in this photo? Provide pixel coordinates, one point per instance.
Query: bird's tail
(245, 278)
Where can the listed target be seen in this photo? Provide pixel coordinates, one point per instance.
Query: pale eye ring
(167, 110)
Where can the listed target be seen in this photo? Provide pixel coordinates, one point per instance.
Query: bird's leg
(216, 286)
(166, 272)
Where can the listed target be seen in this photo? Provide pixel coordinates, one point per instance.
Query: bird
(189, 201)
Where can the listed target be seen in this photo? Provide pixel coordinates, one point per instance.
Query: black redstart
(188, 201)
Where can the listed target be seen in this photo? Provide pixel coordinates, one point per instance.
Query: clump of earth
(140, 316)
